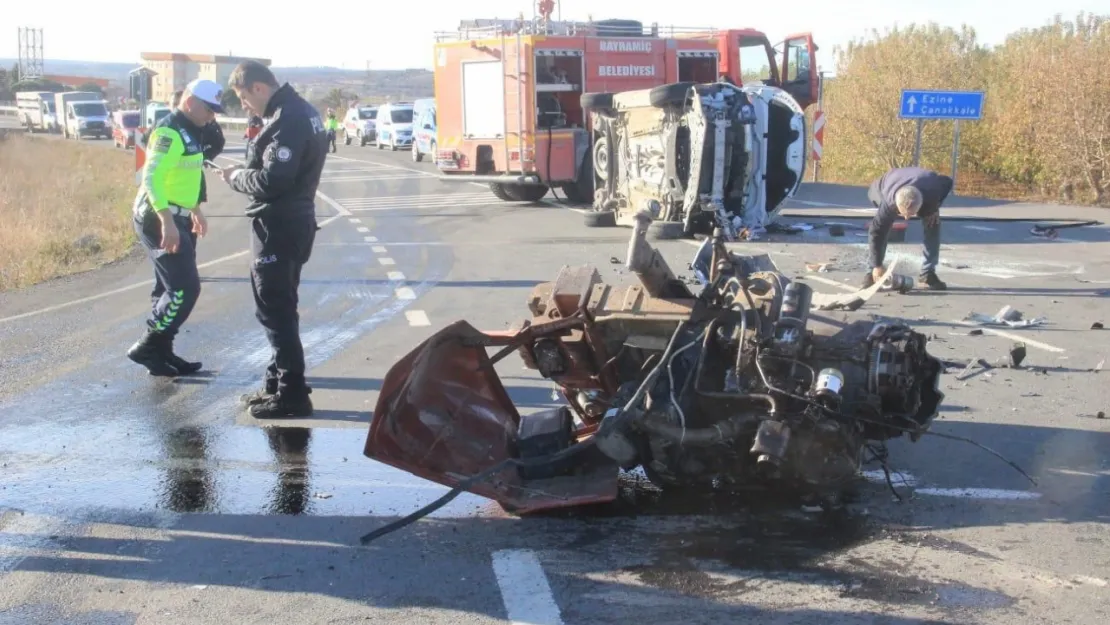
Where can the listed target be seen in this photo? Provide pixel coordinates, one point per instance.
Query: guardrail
(226, 122)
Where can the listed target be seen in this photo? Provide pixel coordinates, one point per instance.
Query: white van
(395, 125)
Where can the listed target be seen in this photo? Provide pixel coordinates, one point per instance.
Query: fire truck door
(798, 70)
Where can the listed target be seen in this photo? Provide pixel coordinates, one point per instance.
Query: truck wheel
(592, 101)
(526, 192)
(392, 145)
(346, 138)
(416, 155)
(600, 219)
(666, 230)
(581, 191)
(669, 95)
(381, 146)
(499, 190)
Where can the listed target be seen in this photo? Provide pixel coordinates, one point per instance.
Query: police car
(360, 125)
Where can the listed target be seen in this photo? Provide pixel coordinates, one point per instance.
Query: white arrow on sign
(913, 102)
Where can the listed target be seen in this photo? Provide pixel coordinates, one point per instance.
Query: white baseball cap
(208, 92)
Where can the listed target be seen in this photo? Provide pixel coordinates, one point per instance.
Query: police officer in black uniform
(281, 175)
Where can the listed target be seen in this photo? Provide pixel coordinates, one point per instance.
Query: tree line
(1045, 130)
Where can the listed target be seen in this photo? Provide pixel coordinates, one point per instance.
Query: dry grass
(64, 208)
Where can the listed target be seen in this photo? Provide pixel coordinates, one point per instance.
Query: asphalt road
(127, 500)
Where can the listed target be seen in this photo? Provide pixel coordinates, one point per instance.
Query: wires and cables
(469, 482)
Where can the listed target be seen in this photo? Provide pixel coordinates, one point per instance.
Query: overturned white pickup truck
(697, 156)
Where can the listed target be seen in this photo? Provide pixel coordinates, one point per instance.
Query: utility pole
(30, 54)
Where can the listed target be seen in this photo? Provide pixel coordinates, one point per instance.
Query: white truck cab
(83, 114)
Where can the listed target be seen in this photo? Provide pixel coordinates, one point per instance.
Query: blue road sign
(941, 104)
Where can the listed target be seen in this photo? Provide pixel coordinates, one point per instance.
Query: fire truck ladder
(518, 77)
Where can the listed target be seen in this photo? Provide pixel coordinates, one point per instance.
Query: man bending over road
(907, 192)
(168, 219)
(282, 172)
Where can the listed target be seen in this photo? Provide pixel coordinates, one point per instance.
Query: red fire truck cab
(509, 92)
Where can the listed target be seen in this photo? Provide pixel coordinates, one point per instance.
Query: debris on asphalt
(322, 495)
(975, 332)
(1017, 355)
(1008, 316)
(1100, 415)
(1096, 325)
(1050, 231)
(819, 267)
(1098, 367)
(836, 230)
(615, 260)
(970, 369)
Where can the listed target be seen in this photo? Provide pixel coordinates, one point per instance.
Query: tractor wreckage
(737, 386)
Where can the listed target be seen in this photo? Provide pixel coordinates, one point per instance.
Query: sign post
(819, 126)
(927, 105)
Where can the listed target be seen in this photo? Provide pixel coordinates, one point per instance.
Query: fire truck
(509, 93)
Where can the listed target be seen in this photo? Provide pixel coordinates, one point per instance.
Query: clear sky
(395, 34)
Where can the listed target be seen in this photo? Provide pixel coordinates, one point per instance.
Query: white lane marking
(363, 229)
(1013, 337)
(424, 205)
(405, 293)
(384, 165)
(124, 289)
(370, 239)
(339, 212)
(379, 249)
(980, 228)
(417, 318)
(979, 493)
(386, 198)
(524, 588)
(386, 261)
(373, 178)
(822, 204)
(395, 276)
(901, 479)
(355, 220)
(830, 282)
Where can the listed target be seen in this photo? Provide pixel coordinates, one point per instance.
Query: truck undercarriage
(735, 387)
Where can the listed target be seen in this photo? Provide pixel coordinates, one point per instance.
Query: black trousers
(176, 279)
(281, 246)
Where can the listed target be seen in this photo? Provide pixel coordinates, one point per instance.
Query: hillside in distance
(315, 82)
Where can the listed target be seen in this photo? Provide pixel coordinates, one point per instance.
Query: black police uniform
(934, 189)
(281, 175)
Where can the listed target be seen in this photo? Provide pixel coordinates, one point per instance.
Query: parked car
(125, 128)
(424, 129)
(395, 125)
(359, 124)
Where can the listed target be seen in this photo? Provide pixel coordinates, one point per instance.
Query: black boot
(931, 281)
(262, 395)
(277, 406)
(184, 367)
(150, 353)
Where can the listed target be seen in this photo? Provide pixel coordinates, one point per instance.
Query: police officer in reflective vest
(168, 218)
(281, 175)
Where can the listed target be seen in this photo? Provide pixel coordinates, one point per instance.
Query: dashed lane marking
(417, 318)
(524, 588)
(370, 239)
(405, 293)
(379, 249)
(386, 261)
(355, 220)
(395, 276)
(363, 229)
